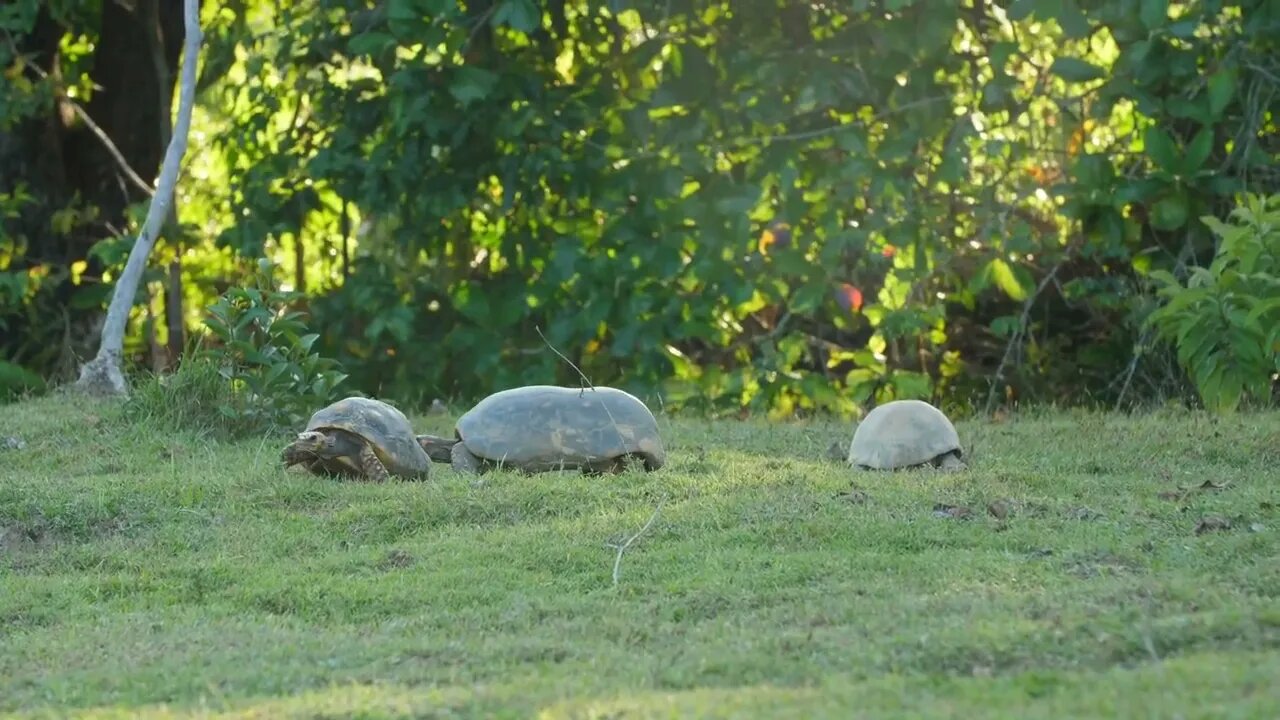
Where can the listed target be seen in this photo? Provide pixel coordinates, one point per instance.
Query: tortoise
(359, 437)
(905, 433)
(536, 428)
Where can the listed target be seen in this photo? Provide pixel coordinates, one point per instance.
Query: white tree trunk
(104, 375)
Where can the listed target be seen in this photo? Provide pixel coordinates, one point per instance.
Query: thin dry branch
(622, 548)
(581, 374)
(129, 173)
(1018, 335)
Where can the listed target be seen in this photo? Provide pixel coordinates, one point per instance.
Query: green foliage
(448, 183)
(261, 346)
(1225, 322)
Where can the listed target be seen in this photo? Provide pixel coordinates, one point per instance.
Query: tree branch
(1018, 335)
(103, 375)
(97, 131)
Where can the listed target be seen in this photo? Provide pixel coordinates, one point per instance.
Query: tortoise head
(314, 442)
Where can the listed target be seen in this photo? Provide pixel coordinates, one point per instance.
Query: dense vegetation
(759, 204)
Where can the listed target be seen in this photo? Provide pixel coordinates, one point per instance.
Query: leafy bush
(1225, 322)
(257, 374)
(262, 347)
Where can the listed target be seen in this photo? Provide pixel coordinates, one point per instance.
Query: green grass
(146, 572)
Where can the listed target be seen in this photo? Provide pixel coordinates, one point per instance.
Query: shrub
(1225, 322)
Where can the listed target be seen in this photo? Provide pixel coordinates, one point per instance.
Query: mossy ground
(151, 572)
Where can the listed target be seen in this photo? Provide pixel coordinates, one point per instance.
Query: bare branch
(103, 375)
(1018, 335)
(581, 374)
(97, 131)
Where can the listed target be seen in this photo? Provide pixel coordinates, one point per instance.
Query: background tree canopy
(765, 205)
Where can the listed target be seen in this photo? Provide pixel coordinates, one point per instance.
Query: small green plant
(262, 347)
(1225, 322)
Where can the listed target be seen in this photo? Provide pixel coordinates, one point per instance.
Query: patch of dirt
(396, 559)
(1213, 523)
(1083, 513)
(19, 539)
(952, 512)
(1094, 564)
(1001, 509)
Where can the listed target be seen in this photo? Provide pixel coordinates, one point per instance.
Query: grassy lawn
(149, 573)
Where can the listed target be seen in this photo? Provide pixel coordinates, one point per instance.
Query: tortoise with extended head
(359, 437)
(544, 427)
(905, 433)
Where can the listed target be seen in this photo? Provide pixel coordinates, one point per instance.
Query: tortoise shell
(545, 427)
(385, 428)
(901, 434)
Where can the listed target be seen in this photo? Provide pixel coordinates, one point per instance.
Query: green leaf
(808, 297)
(1154, 13)
(1076, 70)
(1003, 275)
(1222, 88)
(1198, 151)
(1074, 24)
(1161, 149)
(370, 43)
(1170, 213)
(522, 15)
(1183, 29)
(1021, 9)
(402, 10)
(471, 84)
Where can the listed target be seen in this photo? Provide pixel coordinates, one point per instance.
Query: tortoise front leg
(371, 466)
(951, 463)
(464, 461)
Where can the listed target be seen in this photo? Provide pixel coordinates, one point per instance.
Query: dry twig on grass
(622, 547)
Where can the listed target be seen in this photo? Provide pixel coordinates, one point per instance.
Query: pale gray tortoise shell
(905, 433)
(546, 427)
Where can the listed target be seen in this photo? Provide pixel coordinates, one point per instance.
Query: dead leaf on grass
(854, 495)
(953, 512)
(1179, 494)
(1000, 509)
(1211, 523)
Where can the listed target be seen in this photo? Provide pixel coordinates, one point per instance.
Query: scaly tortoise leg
(463, 460)
(371, 466)
(951, 463)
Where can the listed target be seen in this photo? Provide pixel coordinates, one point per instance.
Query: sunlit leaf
(1076, 70)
